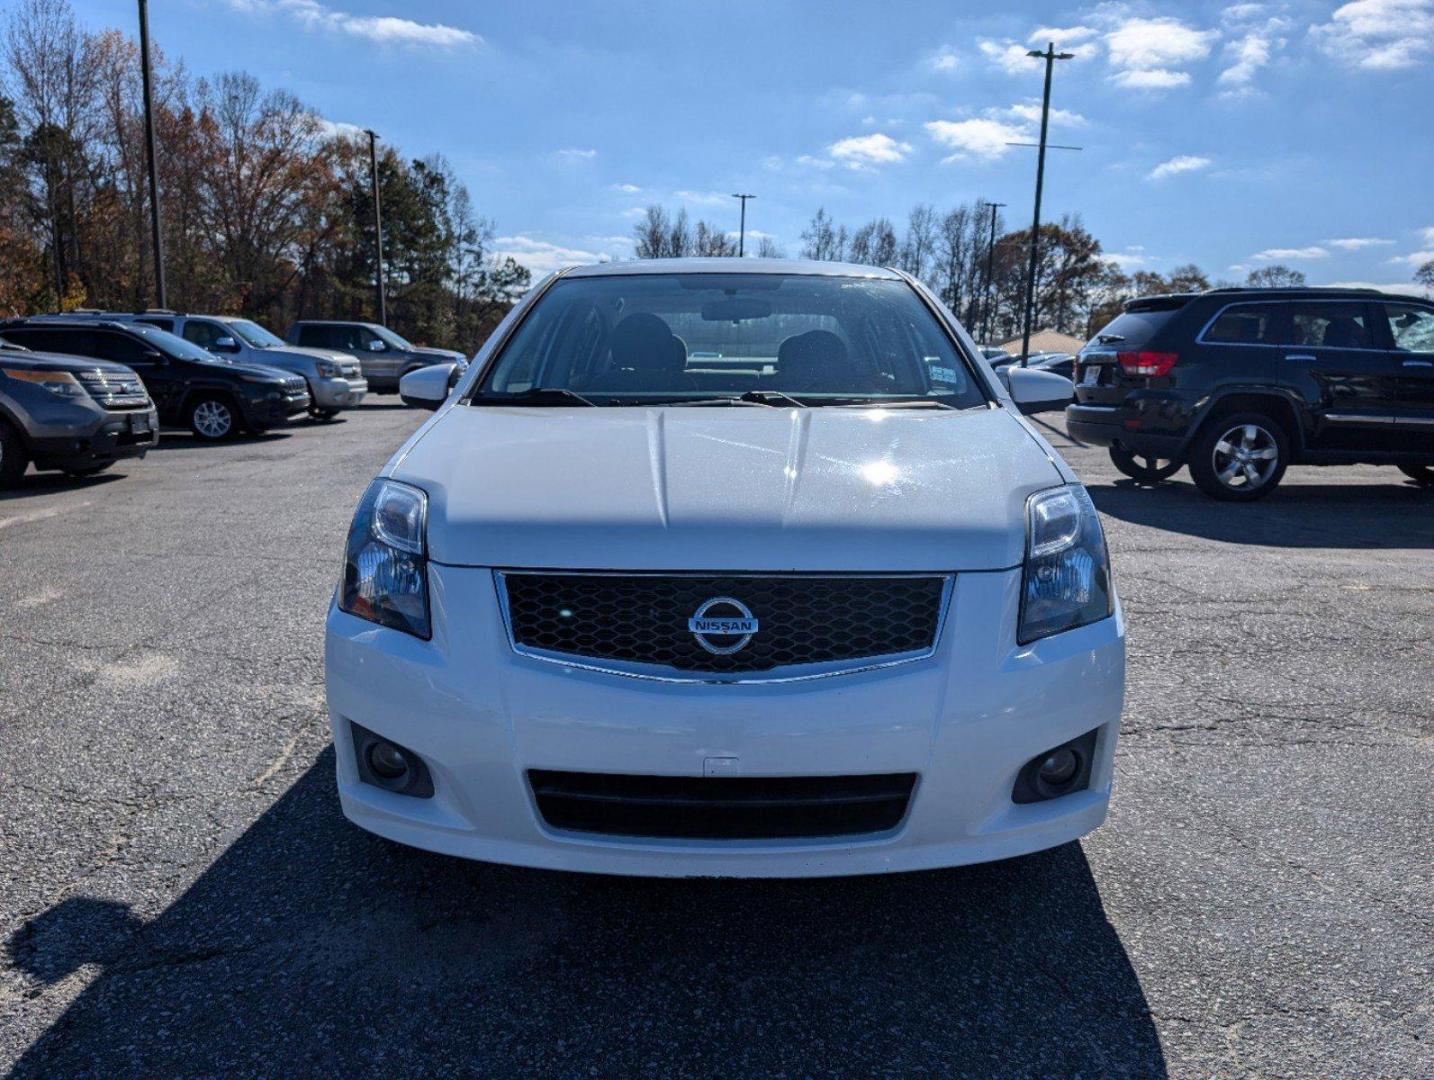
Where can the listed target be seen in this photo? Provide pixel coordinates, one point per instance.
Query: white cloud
(1009, 56)
(704, 198)
(1247, 56)
(982, 138)
(627, 189)
(1314, 251)
(1428, 233)
(1127, 260)
(574, 154)
(1415, 258)
(1182, 163)
(868, 151)
(383, 29)
(1404, 288)
(540, 256)
(338, 129)
(945, 59)
(1147, 54)
(816, 162)
(1357, 243)
(1382, 35)
(1063, 36)
(1031, 111)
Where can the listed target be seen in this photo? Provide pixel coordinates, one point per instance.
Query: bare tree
(767, 249)
(1275, 277)
(919, 244)
(650, 233)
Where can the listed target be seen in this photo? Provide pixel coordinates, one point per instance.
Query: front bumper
(337, 393)
(965, 721)
(119, 434)
(266, 412)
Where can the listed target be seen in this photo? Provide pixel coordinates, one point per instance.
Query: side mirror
(225, 344)
(153, 356)
(1037, 391)
(376, 346)
(425, 387)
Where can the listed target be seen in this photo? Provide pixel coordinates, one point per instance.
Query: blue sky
(1231, 135)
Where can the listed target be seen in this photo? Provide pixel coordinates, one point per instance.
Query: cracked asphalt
(182, 896)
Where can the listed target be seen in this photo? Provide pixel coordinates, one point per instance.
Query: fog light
(387, 760)
(1061, 770)
(389, 766)
(1058, 768)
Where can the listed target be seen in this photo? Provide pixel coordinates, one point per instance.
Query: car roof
(730, 265)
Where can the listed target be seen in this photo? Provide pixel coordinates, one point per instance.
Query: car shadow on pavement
(1392, 515)
(185, 440)
(312, 947)
(48, 483)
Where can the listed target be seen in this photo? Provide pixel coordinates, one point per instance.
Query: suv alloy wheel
(1240, 457)
(212, 418)
(1142, 468)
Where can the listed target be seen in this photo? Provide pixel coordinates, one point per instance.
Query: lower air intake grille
(721, 808)
(643, 618)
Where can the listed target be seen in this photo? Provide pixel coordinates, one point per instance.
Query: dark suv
(385, 356)
(1240, 383)
(61, 412)
(189, 386)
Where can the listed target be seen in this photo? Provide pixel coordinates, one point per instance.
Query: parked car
(1241, 383)
(386, 357)
(335, 379)
(1057, 363)
(76, 416)
(214, 398)
(997, 357)
(841, 610)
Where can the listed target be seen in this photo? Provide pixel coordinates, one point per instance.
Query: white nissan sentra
(727, 567)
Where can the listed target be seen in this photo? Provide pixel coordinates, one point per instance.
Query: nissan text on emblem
(714, 619)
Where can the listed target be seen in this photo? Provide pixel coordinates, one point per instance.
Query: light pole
(990, 262)
(742, 233)
(377, 225)
(1050, 56)
(161, 297)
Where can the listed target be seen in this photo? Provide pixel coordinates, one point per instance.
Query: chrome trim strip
(665, 674)
(1424, 421)
(1358, 418)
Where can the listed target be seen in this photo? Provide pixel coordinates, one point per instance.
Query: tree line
(266, 209)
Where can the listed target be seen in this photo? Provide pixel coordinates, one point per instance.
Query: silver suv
(335, 378)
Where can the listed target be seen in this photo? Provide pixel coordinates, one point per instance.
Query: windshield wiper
(733, 400)
(766, 398)
(1109, 339)
(885, 403)
(771, 397)
(537, 395)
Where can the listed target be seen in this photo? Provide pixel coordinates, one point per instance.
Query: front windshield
(175, 346)
(254, 334)
(636, 339)
(396, 341)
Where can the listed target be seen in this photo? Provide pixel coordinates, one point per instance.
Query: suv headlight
(327, 369)
(60, 383)
(1066, 582)
(385, 563)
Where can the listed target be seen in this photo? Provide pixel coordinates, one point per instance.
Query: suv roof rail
(1359, 290)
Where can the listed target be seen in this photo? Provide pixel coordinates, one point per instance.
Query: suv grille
(721, 808)
(643, 618)
(113, 390)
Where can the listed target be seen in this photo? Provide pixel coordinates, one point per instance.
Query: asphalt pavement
(182, 897)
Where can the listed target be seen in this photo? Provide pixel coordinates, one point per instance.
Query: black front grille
(721, 808)
(800, 620)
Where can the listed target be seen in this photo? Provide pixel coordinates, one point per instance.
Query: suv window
(1246, 324)
(163, 324)
(121, 348)
(1411, 327)
(1134, 329)
(1331, 324)
(203, 334)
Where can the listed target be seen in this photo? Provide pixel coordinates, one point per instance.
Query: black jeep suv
(213, 397)
(1240, 383)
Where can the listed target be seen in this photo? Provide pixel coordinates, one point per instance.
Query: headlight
(1067, 576)
(264, 380)
(385, 564)
(327, 369)
(60, 383)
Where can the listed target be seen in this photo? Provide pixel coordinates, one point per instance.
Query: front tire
(1143, 469)
(1423, 475)
(212, 418)
(322, 414)
(13, 457)
(1240, 457)
(88, 470)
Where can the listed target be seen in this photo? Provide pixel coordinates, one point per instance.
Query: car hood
(441, 355)
(278, 374)
(727, 488)
(287, 354)
(40, 361)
